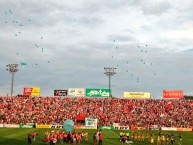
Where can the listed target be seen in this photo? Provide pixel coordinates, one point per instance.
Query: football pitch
(12, 136)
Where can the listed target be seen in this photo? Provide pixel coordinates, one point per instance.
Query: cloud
(78, 42)
(155, 8)
(121, 38)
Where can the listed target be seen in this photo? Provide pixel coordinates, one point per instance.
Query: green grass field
(11, 136)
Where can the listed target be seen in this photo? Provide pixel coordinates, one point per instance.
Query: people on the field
(100, 139)
(74, 137)
(86, 136)
(172, 138)
(61, 137)
(34, 135)
(51, 138)
(147, 136)
(142, 137)
(159, 139)
(127, 135)
(124, 139)
(167, 138)
(29, 138)
(152, 139)
(121, 135)
(180, 139)
(94, 139)
(47, 136)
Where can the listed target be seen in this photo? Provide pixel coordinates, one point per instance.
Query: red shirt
(100, 137)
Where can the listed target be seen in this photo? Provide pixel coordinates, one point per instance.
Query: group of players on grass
(74, 137)
(162, 139)
(52, 137)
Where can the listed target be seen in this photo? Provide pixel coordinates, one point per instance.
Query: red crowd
(54, 110)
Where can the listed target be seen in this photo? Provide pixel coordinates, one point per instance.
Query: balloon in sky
(68, 125)
(23, 63)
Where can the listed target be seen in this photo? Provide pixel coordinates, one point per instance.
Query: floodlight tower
(109, 71)
(12, 68)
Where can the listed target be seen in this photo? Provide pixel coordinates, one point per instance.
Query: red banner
(79, 118)
(27, 91)
(173, 94)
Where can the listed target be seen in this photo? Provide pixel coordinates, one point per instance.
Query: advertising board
(97, 92)
(26, 126)
(90, 122)
(173, 94)
(137, 95)
(56, 126)
(169, 128)
(121, 128)
(77, 92)
(42, 126)
(11, 125)
(106, 127)
(31, 92)
(60, 92)
(184, 129)
(88, 127)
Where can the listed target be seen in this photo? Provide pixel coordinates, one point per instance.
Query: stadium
(136, 117)
(102, 72)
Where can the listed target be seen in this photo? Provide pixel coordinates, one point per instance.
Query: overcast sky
(67, 44)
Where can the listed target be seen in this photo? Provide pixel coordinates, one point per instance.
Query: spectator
(55, 110)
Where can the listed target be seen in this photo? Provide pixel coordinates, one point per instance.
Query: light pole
(109, 71)
(12, 68)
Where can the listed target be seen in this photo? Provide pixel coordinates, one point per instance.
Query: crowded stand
(132, 112)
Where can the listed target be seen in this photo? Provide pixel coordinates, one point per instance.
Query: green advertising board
(97, 92)
(106, 127)
(27, 126)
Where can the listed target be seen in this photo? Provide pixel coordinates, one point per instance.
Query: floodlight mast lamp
(109, 71)
(12, 68)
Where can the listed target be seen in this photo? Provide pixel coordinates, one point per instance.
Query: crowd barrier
(93, 127)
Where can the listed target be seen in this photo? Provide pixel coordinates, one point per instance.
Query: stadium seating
(54, 110)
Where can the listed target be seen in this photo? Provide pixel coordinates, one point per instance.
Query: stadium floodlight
(109, 71)
(12, 68)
